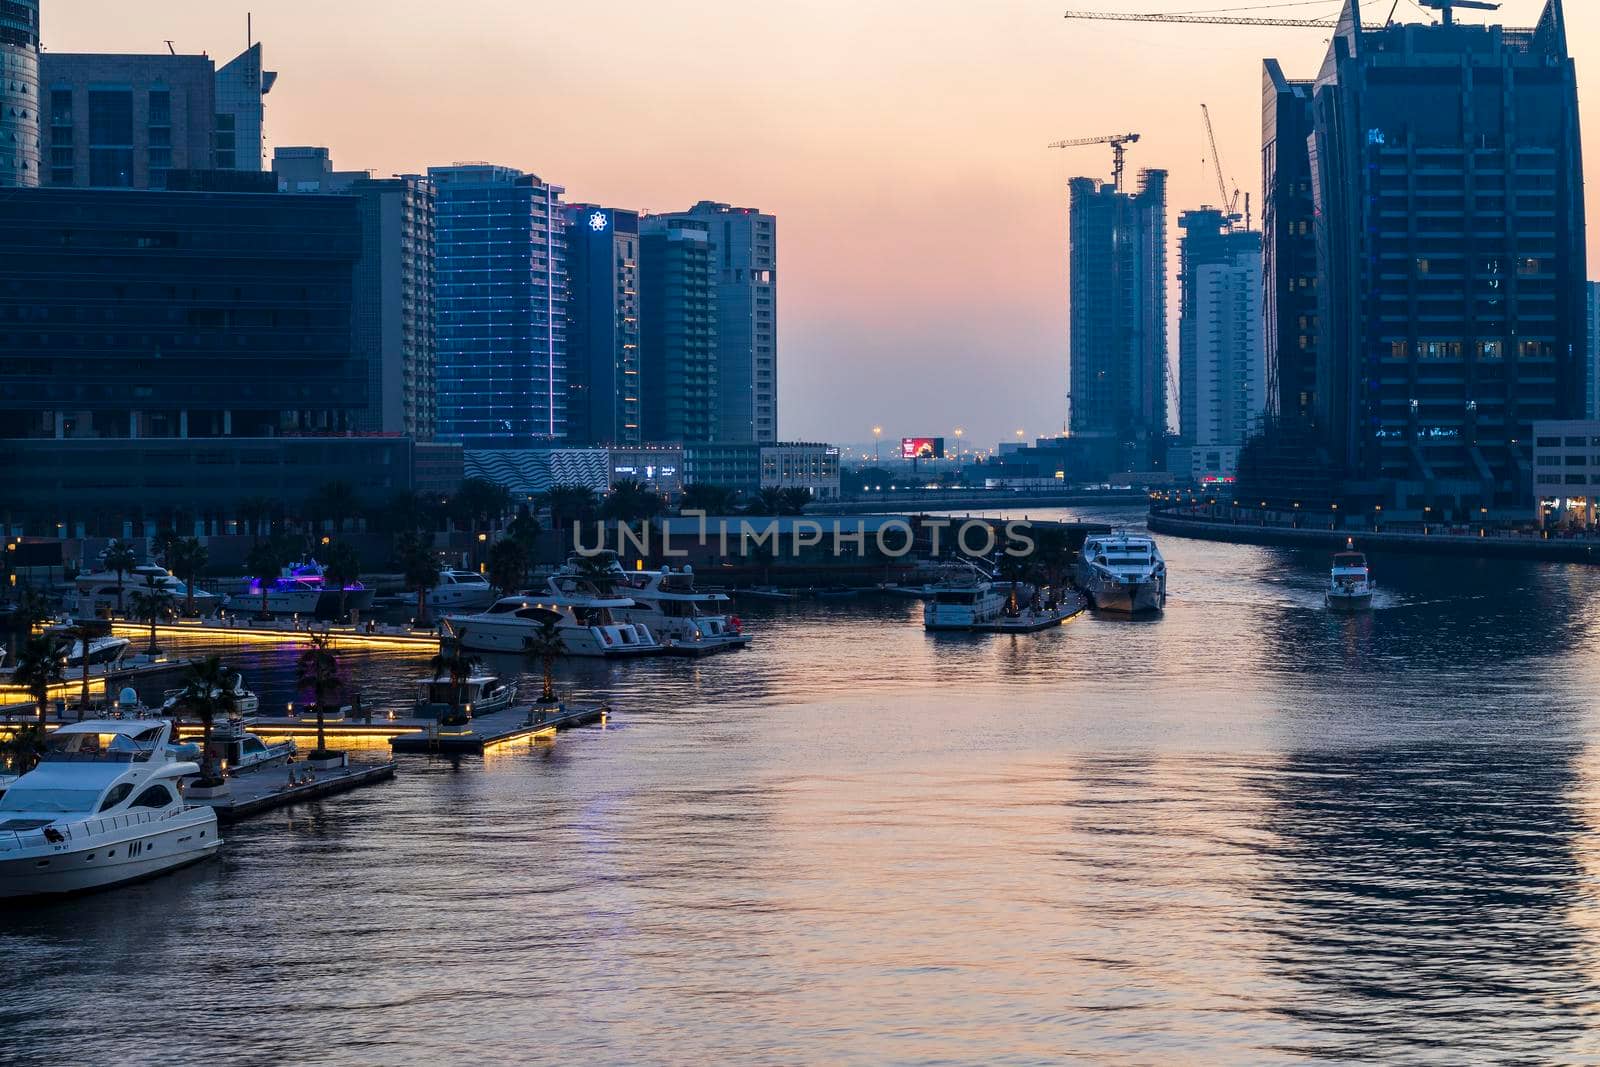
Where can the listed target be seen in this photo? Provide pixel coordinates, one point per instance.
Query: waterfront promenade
(1250, 527)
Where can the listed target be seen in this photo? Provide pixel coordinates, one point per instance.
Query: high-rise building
(679, 357)
(500, 303)
(1289, 248)
(394, 309)
(744, 244)
(1209, 238)
(1593, 328)
(1118, 316)
(603, 373)
(124, 121)
(1449, 234)
(20, 151)
(1230, 359)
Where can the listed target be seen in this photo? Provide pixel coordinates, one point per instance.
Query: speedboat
(102, 650)
(478, 695)
(668, 603)
(103, 807)
(237, 750)
(1123, 572)
(245, 703)
(586, 624)
(97, 592)
(456, 590)
(765, 592)
(961, 602)
(301, 589)
(1350, 585)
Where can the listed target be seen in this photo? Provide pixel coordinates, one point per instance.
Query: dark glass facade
(1289, 247)
(603, 379)
(679, 337)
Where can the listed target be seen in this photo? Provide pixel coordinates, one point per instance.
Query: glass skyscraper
(500, 297)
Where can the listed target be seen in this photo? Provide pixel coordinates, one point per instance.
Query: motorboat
(764, 592)
(456, 590)
(669, 604)
(585, 622)
(301, 589)
(1123, 572)
(103, 807)
(964, 601)
(479, 694)
(103, 651)
(97, 592)
(237, 751)
(245, 703)
(1350, 585)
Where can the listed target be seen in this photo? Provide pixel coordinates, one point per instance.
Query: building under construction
(1425, 257)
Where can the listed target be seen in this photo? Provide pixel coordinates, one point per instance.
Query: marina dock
(269, 788)
(513, 724)
(278, 630)
(1032, 622)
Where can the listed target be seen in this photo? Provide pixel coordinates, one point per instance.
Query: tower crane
(1445, 7)
(1119, 143)
(1230, 205)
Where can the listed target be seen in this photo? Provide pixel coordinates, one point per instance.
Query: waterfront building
(125, 121)
(528, 472)
(603, 370)
(1449, 230)
(1566, 471)
(744, 253)
(679, 361)
(747, 467)
(20, 148)
(1118, 316)
(394, 331)
(500, 302)
(1289, 248)
(140, 324)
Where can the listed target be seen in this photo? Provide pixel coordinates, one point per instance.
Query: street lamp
(877, 437)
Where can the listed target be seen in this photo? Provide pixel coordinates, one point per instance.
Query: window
(117, 795)
(157, 796)
(160, 107)
(1548, 442)
(111, 117)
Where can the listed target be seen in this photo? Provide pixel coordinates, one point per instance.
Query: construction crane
(1230, 205)
(1445, 7)
(1119, 143)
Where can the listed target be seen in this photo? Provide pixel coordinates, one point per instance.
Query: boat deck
(497, 728)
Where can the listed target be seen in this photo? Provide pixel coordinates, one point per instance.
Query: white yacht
(1123, 572)
(457, 590)
(586, 624)
(106, 651)
(1350, 585)
(238, 751)
(479, 695)
(103, 807)
(963, 601)
(668, 603)
(97, 592)
(245, 703)
(300, 589)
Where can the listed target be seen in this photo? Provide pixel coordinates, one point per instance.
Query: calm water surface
(1248, 831)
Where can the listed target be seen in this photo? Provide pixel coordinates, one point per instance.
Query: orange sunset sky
(901, 145)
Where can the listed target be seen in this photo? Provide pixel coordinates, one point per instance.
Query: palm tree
(1014, 569)
(711, 499)
(569, 504)
(161, 544)
(22, 749)
(334, 501)
(421, 568)
(524, 530)
(342, 564)
(41, 665)
(631, 501)
(188, 558)
(29, 608)
(407, 511)
(508, 565)
(256, 512)
(767, 502)
(318, 673)
(793, 501)
(265, 560)
(79, 635)
(152, 604)
(1053, 551)
(207, 693)
(479, 503)
(120, 558)
(459, 666)
(547, 644)
(599, 569)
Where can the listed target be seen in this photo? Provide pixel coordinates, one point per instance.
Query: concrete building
(500, 301)
(1229, 376)
(747, 467)
(20, 135)
(1449, 234)
(1118, 316)
(528, 472)
(1208, 239)
(1566, 466)
(394, 330)
(679, 355)
(744, 249)
(603, 372)
(124, 121)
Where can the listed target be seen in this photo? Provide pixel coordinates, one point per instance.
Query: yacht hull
(482, 636)
(1129, 598)
(1350, 602)
(81, 868)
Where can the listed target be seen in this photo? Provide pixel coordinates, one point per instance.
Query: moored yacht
(245, 703)
(97, 591)
(668, 603)
(962, 601)
(237, 751)
(102, 808)
(478, 695)
(1350, 585)
(457, 590)
(1123, 572)
(300, 589)
(585, 623)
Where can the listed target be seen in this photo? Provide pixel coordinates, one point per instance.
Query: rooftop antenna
(171, 49)
(249, 30)
(1449, 6)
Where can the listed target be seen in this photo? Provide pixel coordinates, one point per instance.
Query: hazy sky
(921, 220)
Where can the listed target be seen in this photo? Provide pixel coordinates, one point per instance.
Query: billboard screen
(921, 448)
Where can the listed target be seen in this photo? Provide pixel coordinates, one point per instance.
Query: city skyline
(905, 158)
